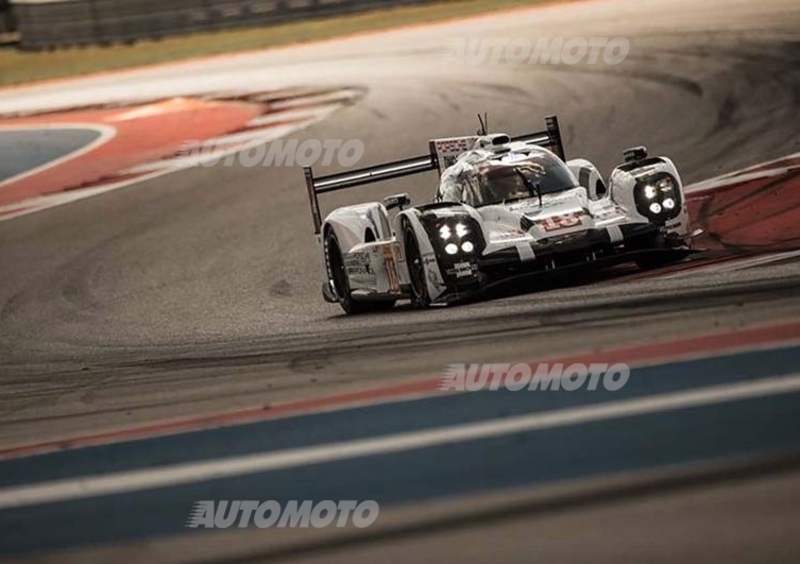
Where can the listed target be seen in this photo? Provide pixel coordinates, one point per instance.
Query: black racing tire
(416, 267)
(657, 253)
(334, 260)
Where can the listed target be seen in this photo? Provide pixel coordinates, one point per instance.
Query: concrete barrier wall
(49, 24)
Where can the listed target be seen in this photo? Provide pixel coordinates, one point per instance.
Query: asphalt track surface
(198, 292)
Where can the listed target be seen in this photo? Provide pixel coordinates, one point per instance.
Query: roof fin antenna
(484, 121)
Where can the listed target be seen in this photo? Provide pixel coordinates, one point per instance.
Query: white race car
(505, 209)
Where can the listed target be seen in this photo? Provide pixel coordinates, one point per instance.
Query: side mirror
(397, 201)
(589, 177)
(635, 154)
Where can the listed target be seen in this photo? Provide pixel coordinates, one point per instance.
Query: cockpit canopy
(514, 177)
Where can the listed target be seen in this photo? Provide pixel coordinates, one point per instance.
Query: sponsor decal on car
(498, 236)
(358, 264)
(391, 267)
(429, 259)
(561, 222)
(448, 150)
(463, 269)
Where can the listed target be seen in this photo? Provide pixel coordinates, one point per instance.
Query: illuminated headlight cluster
(453, 238)
(658, 197)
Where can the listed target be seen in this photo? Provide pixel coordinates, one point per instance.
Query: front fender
(628, 180)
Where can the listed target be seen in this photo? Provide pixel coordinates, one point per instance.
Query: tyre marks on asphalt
(420, 387)
(716, 406)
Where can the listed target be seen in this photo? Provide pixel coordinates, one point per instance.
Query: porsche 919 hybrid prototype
(504, 209)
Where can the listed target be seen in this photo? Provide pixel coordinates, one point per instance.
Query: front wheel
(416, 268)
(657, 252)
(341, 283)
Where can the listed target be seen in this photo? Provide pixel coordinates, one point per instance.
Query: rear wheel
(416, 268)
(338, 274)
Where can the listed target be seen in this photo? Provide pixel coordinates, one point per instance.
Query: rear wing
(442, 153)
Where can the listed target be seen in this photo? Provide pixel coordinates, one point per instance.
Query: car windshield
(537, 175)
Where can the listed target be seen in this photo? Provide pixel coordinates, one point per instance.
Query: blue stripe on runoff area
(24, 150)
(756, 426)
(386, 419)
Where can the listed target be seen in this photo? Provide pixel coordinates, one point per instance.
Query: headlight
(658, 197)
(445, 231)
(453, 236)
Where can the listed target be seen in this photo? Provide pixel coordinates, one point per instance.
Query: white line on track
(756, 172)
(138, 480)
